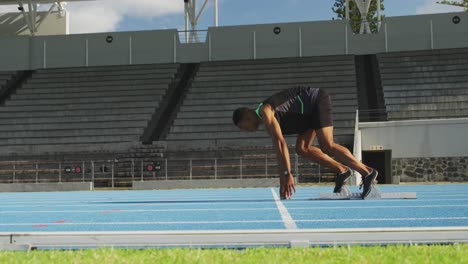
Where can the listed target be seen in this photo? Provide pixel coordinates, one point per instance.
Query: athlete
(307, 112)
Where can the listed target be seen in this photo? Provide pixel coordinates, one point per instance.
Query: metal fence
(193, 36)
(121, 173)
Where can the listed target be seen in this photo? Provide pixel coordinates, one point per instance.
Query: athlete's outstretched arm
(282, 152)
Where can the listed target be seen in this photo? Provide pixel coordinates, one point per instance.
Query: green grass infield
(401, 254)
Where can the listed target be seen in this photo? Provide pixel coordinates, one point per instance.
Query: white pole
(31, 18)
(201, 11)
(216, 13)
(300, 42)
(357, 149)
(254, 46)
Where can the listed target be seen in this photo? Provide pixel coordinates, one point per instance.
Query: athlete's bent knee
(301, 150)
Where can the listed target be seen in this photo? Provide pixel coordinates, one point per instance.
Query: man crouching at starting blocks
(307, 112)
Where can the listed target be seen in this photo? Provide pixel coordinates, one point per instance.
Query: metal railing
(121, 173)
(193, 36)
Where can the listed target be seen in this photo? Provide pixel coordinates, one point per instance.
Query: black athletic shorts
(322, 112)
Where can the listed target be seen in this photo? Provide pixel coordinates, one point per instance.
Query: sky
(133, 15)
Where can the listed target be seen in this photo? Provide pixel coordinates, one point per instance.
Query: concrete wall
(46, 187)
(13, 24)
(418, 138)
(317, 38)
(224, 183)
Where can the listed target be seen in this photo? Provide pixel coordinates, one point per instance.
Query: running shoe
(341, 180)
(368, 182)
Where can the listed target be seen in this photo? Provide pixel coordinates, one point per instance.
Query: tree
(355, 16)
(460, 3)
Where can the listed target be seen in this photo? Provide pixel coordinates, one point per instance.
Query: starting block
(375, 194)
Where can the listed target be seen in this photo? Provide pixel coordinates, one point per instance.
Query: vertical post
(141, 170)
(346, 39)
(37, 172)
(209, 47)
(133, 170)
(432, 35)
(386, 37)
(296, 166)
(112, 175)
(14, 172)
(60, 171)
(92, 172)
(165, 167)
(266, 165)
(130, 50)
(32, 18)
(83, 170)
(44, 55)
(319, 173)
(240, 165)
(216, 168)
(190, 168)
(175, 48)
(254, 46)
(87, 53)
(300, 42)
(216, 13)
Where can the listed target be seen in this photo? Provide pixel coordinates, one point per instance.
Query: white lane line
(229, 209)
(152, 200)
(137, 210)
(287, 219)
(238, 221)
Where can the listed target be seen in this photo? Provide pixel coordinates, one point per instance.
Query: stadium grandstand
(153, 109)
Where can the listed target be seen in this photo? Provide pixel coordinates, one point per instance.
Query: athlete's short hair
(239, 114)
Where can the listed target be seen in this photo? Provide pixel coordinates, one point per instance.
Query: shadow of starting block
(375, 194)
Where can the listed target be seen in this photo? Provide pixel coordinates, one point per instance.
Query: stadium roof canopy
(30, 13)
(25, 2)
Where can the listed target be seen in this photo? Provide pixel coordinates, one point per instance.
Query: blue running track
(228, 209)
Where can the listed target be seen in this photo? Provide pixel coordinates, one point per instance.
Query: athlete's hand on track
(287, 186)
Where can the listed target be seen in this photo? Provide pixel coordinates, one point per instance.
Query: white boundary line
(250, 231)
(237, 238)
(287, 219)
(289, 224)
(227, 209)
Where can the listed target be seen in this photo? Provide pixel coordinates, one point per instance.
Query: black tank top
(293, 108)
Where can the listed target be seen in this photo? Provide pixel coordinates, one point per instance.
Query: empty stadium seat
(205, 117)
(96, 105)
(425, 84)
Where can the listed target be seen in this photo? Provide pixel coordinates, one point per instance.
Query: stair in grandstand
(205, 117)
(83, 109)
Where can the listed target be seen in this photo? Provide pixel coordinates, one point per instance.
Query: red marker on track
(40, 226)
